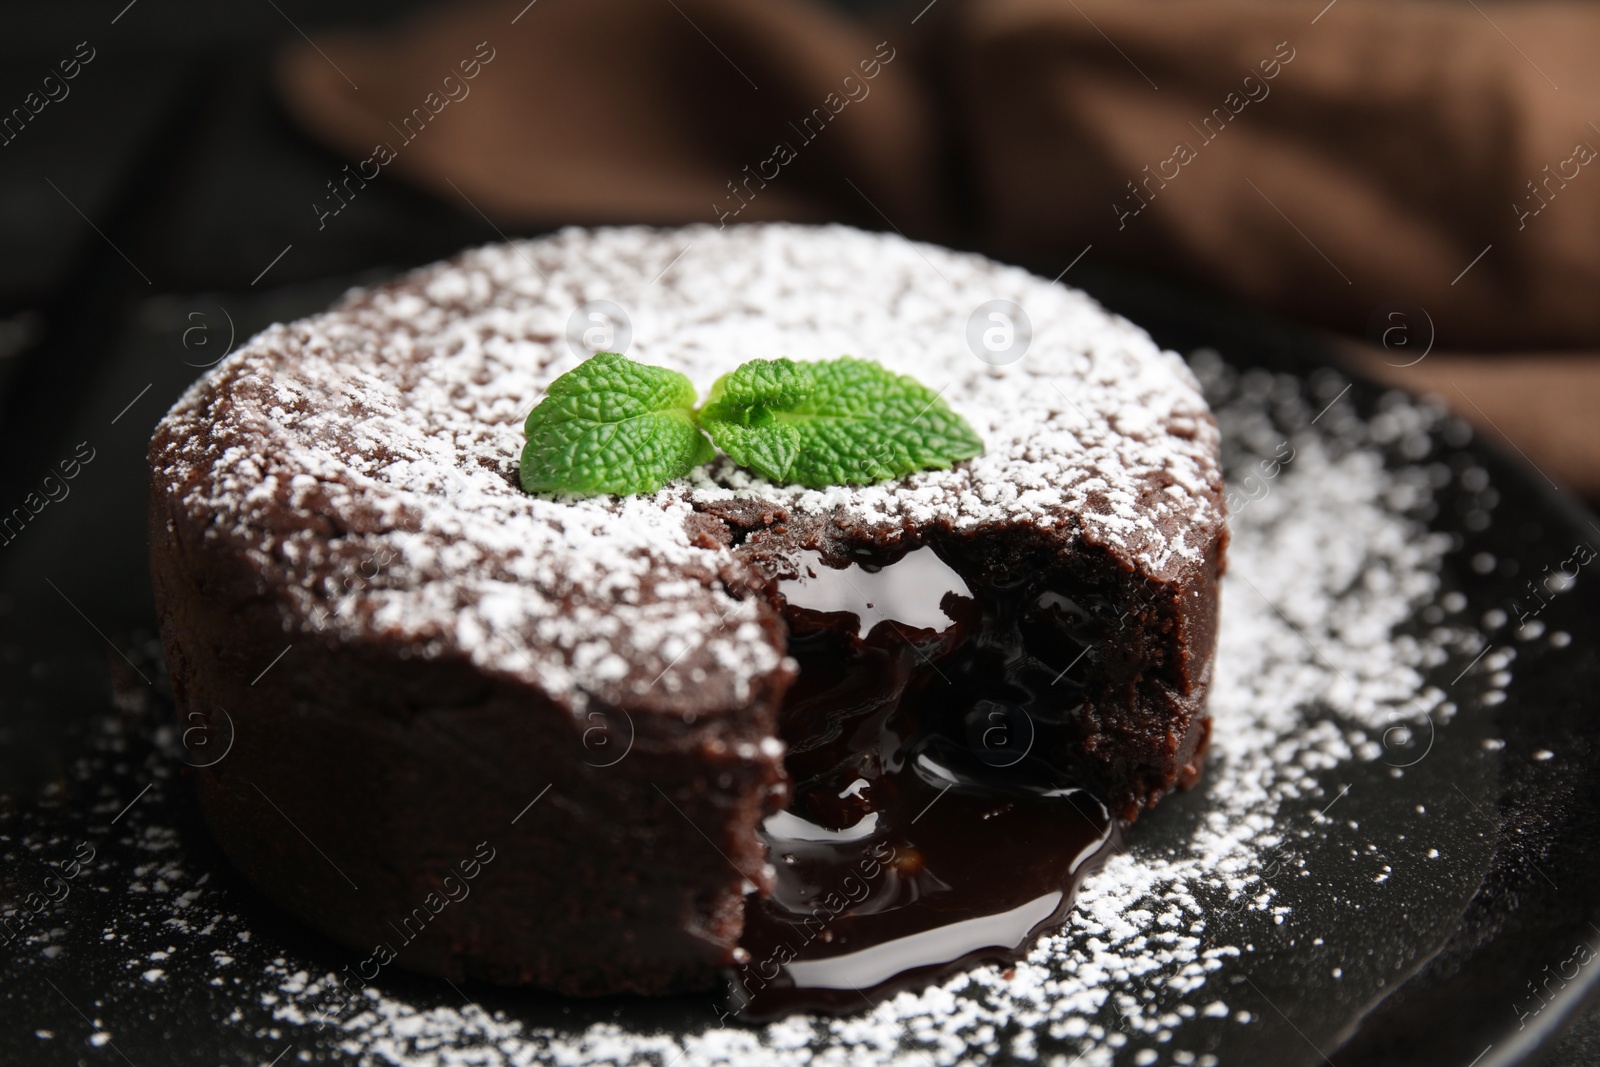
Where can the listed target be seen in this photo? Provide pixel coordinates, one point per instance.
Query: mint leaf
(845, 421)
(611, 425)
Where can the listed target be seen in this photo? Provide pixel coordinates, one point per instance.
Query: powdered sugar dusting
(389, 430)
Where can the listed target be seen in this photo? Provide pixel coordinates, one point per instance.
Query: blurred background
(1408, 183)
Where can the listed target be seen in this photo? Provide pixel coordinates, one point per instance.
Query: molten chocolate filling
(925, 832)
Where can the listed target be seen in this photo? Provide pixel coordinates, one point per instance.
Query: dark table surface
(153, 216)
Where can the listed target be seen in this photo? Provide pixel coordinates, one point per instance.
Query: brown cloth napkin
(604, 111)
(1328, 162)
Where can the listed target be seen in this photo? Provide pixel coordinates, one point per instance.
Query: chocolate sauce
(924, 832)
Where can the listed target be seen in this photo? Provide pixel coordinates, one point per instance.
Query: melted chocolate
(924, 832)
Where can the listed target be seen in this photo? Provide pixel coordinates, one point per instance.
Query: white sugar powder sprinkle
(1325, 571)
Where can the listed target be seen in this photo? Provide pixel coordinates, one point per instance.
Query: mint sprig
(614, 426)
(845, 421)
(611, 425)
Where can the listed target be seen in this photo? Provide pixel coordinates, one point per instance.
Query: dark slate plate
(1537, 904)
(154, 953)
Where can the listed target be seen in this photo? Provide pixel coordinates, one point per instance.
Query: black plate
(1440, 973)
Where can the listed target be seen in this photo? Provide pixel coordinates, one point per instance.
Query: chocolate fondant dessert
(635, 743)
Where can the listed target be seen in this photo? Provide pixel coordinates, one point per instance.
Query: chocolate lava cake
(587, 744)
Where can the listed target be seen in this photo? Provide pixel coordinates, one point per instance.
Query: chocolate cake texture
(421, 665)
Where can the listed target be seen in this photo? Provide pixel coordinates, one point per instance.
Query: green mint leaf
(845, 421)
(611, 425)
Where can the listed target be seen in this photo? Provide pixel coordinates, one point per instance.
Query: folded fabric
(666, 111)
(1327, 162)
